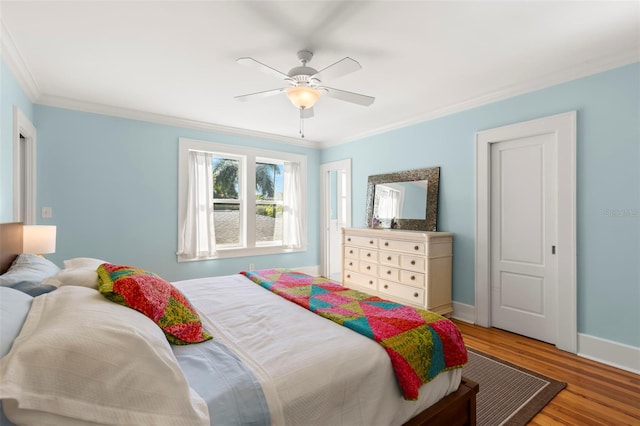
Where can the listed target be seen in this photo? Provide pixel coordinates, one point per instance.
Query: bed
(270, 361)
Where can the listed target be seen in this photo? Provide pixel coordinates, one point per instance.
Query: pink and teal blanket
(420, 343)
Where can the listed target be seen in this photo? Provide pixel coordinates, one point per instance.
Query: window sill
(243, 252)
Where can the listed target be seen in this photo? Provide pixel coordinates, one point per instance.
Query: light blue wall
(112, 184)
(113, 187)
(10, 94)
(608, 187)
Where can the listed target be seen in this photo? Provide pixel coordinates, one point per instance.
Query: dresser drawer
(368, 268)
(389, 273)
(412, 278)
(413, 263)
(368, 255)
(371, 242)
(351, 252)
(389, 258)
(404, 246)
(351, 264)
(410, 294)
(362, 280)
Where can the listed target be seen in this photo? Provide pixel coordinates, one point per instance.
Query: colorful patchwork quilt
(420, 343)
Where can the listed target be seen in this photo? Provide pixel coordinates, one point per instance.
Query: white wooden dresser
(409, 267)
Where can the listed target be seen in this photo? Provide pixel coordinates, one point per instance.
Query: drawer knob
(350, 251)
(348, 239)
(368, 268)
(348, 276)
(417, 247)
(388, 257)
(415, 294)
(370, 282)
(368, 254)
(386, 243)
(413, 262)
(388, 272)
(371, 242)
(413, 277)
(386, 286)
(350, 263)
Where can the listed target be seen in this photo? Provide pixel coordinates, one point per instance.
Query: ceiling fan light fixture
(303, 97)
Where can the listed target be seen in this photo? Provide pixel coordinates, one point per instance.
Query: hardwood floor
(596, 394)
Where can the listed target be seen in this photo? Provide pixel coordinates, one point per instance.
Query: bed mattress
(292, 366)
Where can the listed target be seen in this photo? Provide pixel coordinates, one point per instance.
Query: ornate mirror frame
(431, 175)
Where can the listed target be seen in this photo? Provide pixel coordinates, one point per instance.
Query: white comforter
(313, 371)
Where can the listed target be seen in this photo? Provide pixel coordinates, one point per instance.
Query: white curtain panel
(388, 206)
(292, 215)
(198, 232)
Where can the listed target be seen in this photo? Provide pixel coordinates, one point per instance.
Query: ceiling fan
(304, 84)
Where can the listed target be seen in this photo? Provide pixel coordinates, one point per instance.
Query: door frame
(564, 127)
(325, 207)
(26, 193)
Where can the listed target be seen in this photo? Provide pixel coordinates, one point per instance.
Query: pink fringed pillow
(159, 300)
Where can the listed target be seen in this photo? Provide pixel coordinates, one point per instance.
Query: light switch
(47, 213)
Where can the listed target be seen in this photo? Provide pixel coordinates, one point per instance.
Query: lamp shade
(39, 239)
(303, 96)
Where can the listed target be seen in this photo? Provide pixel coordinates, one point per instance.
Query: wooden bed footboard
(456, 409)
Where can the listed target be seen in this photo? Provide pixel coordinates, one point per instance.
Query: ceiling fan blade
(243, 98)
(343, 95)
(306, 113)
(340, 68)
(252, 63)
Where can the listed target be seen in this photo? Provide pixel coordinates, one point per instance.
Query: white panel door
(523, 223)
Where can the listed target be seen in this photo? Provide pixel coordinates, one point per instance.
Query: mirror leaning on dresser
(408, 267)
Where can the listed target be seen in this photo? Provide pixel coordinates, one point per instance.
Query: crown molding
(17, 65)
(94, 108)
(573, 73)
(14, 60)
(23, 75)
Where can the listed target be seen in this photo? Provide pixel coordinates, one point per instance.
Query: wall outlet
(251, 267)
(47, 213)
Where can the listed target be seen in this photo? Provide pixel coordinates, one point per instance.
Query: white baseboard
(608, 352)
(615, 354)
(464, 312)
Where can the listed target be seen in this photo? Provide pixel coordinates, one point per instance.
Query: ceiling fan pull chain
(301, 124)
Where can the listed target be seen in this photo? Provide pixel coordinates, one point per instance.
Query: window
(239, 201)
(227, 203)
(269, 201)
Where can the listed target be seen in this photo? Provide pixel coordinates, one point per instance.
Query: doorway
(335, 189)
(24, 169)
(526, 229)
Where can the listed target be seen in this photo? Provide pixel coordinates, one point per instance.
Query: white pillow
(83, 277)
(83, 262)
(14, 307)
(83, 357)
(29, 267)
(80, 271)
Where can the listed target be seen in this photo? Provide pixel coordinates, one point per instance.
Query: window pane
(269, 181)
(225, 177)
(226, 216)
(226, 220)
(268, 222)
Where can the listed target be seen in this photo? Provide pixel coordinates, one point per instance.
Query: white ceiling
(175, 61)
